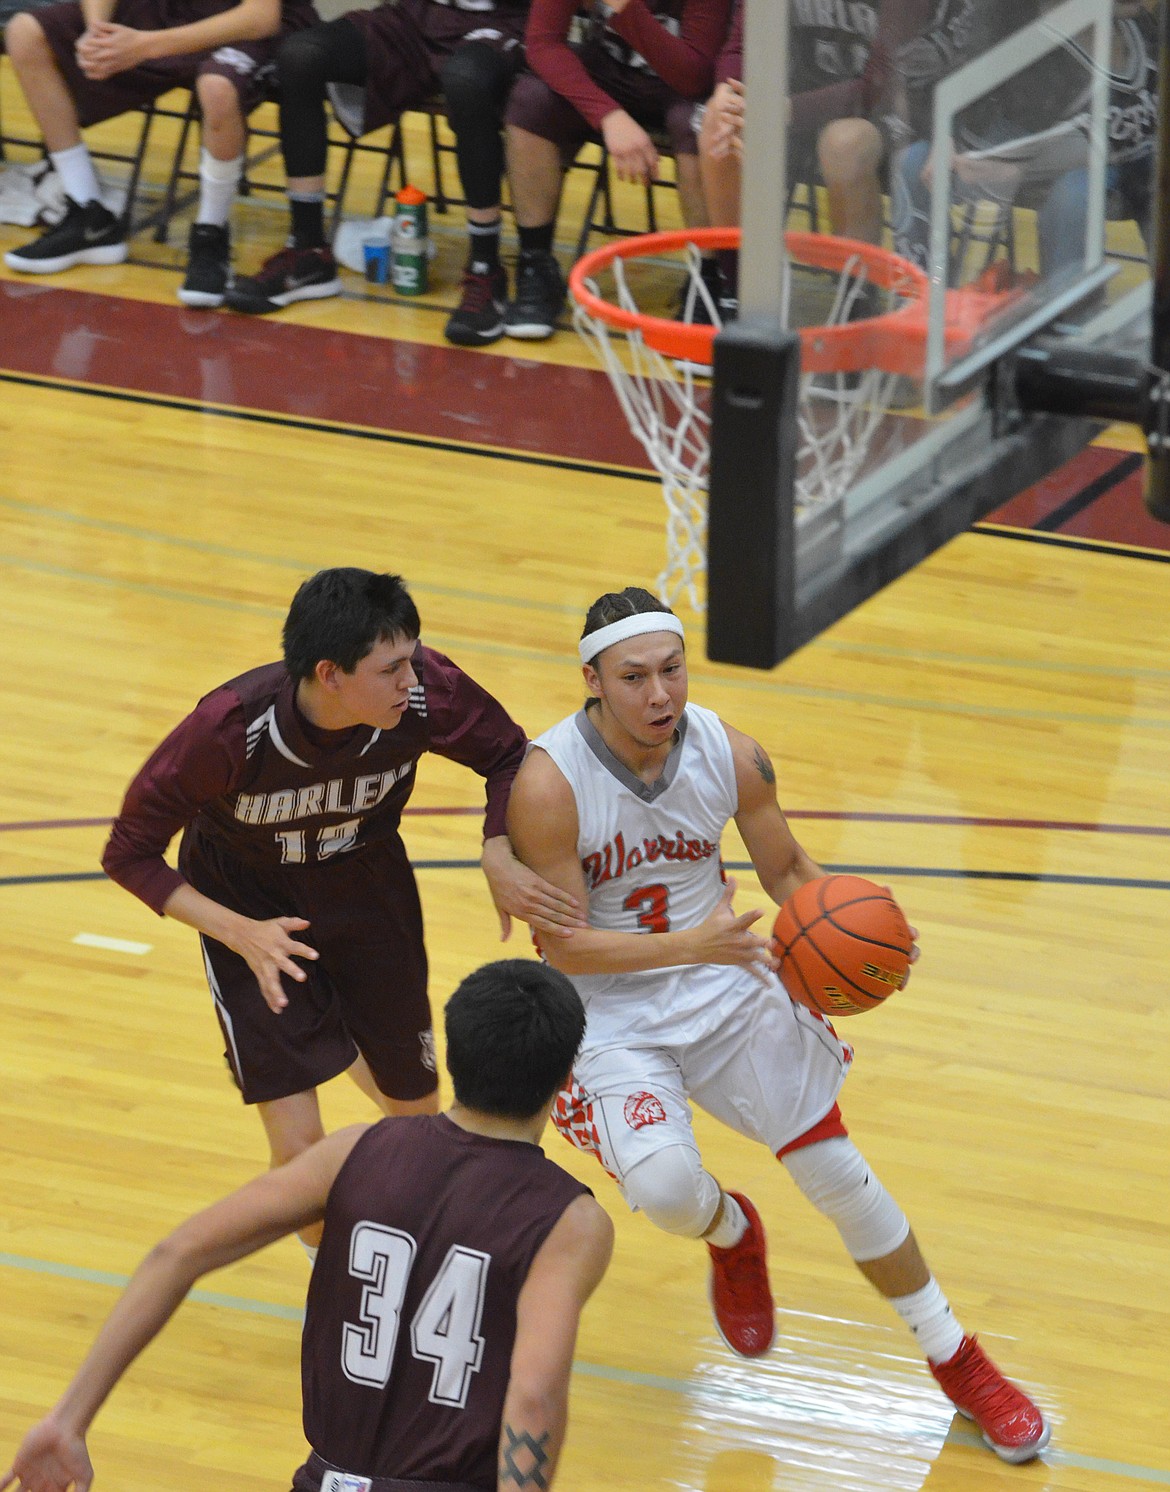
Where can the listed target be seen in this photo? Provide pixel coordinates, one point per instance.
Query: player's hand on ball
(50, 1459)
(915, 951)
(724, 938)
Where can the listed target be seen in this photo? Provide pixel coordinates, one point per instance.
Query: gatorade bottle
(410, 242)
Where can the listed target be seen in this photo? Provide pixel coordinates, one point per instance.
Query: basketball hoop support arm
(1051, 376)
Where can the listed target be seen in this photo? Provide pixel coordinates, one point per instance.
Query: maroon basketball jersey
(411, 1312)
(251, 782)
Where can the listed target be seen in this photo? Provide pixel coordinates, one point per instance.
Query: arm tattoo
(523, 1448)
(764, 767)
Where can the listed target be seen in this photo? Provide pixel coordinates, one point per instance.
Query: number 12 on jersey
(445, 1327)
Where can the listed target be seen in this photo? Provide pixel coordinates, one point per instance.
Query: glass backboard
(1004, 149)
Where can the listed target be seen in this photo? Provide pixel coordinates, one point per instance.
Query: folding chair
(599, 211)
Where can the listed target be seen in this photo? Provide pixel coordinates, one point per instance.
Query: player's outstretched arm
(53, 1455)
(780, 862)
(566, 1271)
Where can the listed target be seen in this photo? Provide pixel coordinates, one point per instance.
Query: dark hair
(341, 615)
(633, 601)
(513, 1029)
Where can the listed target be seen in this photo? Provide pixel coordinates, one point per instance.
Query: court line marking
(770, 685)
(627, 1377)
(112, 945)
(930, 872)
(498, 453)
(330, 427)
(825, 815)
(976, 660)
(227, 551)
(553, 609)
(1111, 547)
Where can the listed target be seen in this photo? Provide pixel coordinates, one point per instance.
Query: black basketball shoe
(290, 275)
(89, 234)
(479, 317)
(539, 300)
(693, 308)
(209, 266)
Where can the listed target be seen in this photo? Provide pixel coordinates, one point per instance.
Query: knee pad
(301, 60)
(835, 1177)
(673, 1190)
(471, 78)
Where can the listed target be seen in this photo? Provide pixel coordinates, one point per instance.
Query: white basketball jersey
(651, 856)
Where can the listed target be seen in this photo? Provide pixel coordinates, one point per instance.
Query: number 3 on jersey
(650, 904)
(445, 1328)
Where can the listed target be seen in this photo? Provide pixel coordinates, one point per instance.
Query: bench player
(639, 67)
(81, 63)
(374, 64)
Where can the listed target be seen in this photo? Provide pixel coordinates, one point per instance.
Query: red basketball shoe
(1011, 1424)
(741, 1296)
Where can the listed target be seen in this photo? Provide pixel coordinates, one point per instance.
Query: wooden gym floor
(990, 736)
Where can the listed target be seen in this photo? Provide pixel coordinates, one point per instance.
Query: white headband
(627, 626)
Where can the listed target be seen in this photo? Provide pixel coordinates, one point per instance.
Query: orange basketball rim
(893, 341)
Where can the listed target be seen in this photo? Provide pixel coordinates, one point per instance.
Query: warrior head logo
(642, 1109)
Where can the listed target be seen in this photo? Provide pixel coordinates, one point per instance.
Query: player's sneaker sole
(1015, 1455)
(112, 253)
(200, 299)
(529, 331)
(261, 305)
(462, 336)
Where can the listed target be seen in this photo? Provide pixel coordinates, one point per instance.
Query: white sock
(218, 181)
(78, 178)
(310, 1249)
(929, 1316)
(732, 1225)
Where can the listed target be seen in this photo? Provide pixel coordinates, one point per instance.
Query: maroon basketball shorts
(242, 63)
(366, 992)
(535, 107)
(408, 41)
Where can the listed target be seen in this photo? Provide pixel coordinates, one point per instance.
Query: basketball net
(667, 402)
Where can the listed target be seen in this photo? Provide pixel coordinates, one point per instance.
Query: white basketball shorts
(767, 1068)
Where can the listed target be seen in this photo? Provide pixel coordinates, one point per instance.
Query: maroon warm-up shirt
(676, 39)
(249, 781)
(842, 55)
(411, 1314)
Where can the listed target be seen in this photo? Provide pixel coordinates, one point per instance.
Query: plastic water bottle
(411, 249)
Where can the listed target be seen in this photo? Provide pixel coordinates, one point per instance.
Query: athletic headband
(627, 626)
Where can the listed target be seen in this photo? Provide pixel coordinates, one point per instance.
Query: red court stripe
(1116, 515)
(311, 373)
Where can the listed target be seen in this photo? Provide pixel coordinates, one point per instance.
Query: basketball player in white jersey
(625, 804)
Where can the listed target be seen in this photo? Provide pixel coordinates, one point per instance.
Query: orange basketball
(843, 945)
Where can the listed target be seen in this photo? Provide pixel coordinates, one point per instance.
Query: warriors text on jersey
(650, 853)
(430, 1231)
